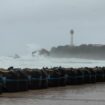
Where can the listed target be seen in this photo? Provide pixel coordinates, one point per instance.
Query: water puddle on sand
(93, 94)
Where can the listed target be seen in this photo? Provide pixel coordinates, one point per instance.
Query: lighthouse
(71, 38)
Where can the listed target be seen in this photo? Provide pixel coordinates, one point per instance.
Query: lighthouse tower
(72, 38)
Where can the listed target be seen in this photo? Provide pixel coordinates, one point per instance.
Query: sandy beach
(89, 94)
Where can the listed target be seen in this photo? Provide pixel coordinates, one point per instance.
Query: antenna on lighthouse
(72, 37)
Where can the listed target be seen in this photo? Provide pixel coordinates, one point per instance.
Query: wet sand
(89, 94)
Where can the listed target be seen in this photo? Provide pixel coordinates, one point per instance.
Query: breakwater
(16, 79)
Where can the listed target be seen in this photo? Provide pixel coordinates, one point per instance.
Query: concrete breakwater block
(33, 75)
(17, 79)
(14, 80)
(100, 75)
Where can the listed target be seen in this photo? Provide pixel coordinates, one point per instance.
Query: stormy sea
(42, 61)
(93, 94)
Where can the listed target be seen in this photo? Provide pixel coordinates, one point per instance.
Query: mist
(45, 23)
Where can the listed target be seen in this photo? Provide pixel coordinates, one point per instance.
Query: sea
(87, 94)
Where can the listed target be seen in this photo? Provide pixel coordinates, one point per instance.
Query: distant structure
(72, 38)
(16, 56)
(33, 53)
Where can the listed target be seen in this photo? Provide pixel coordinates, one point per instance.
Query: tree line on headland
(84, 51)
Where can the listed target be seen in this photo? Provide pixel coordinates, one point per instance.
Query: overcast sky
(46, 23)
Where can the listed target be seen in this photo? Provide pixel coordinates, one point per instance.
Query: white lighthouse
(72, 38)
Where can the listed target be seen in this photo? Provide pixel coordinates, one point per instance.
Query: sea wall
(17, 79)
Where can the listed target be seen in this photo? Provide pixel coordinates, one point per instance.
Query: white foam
(41, 61)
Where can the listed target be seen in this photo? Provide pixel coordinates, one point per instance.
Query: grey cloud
(47, 23)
